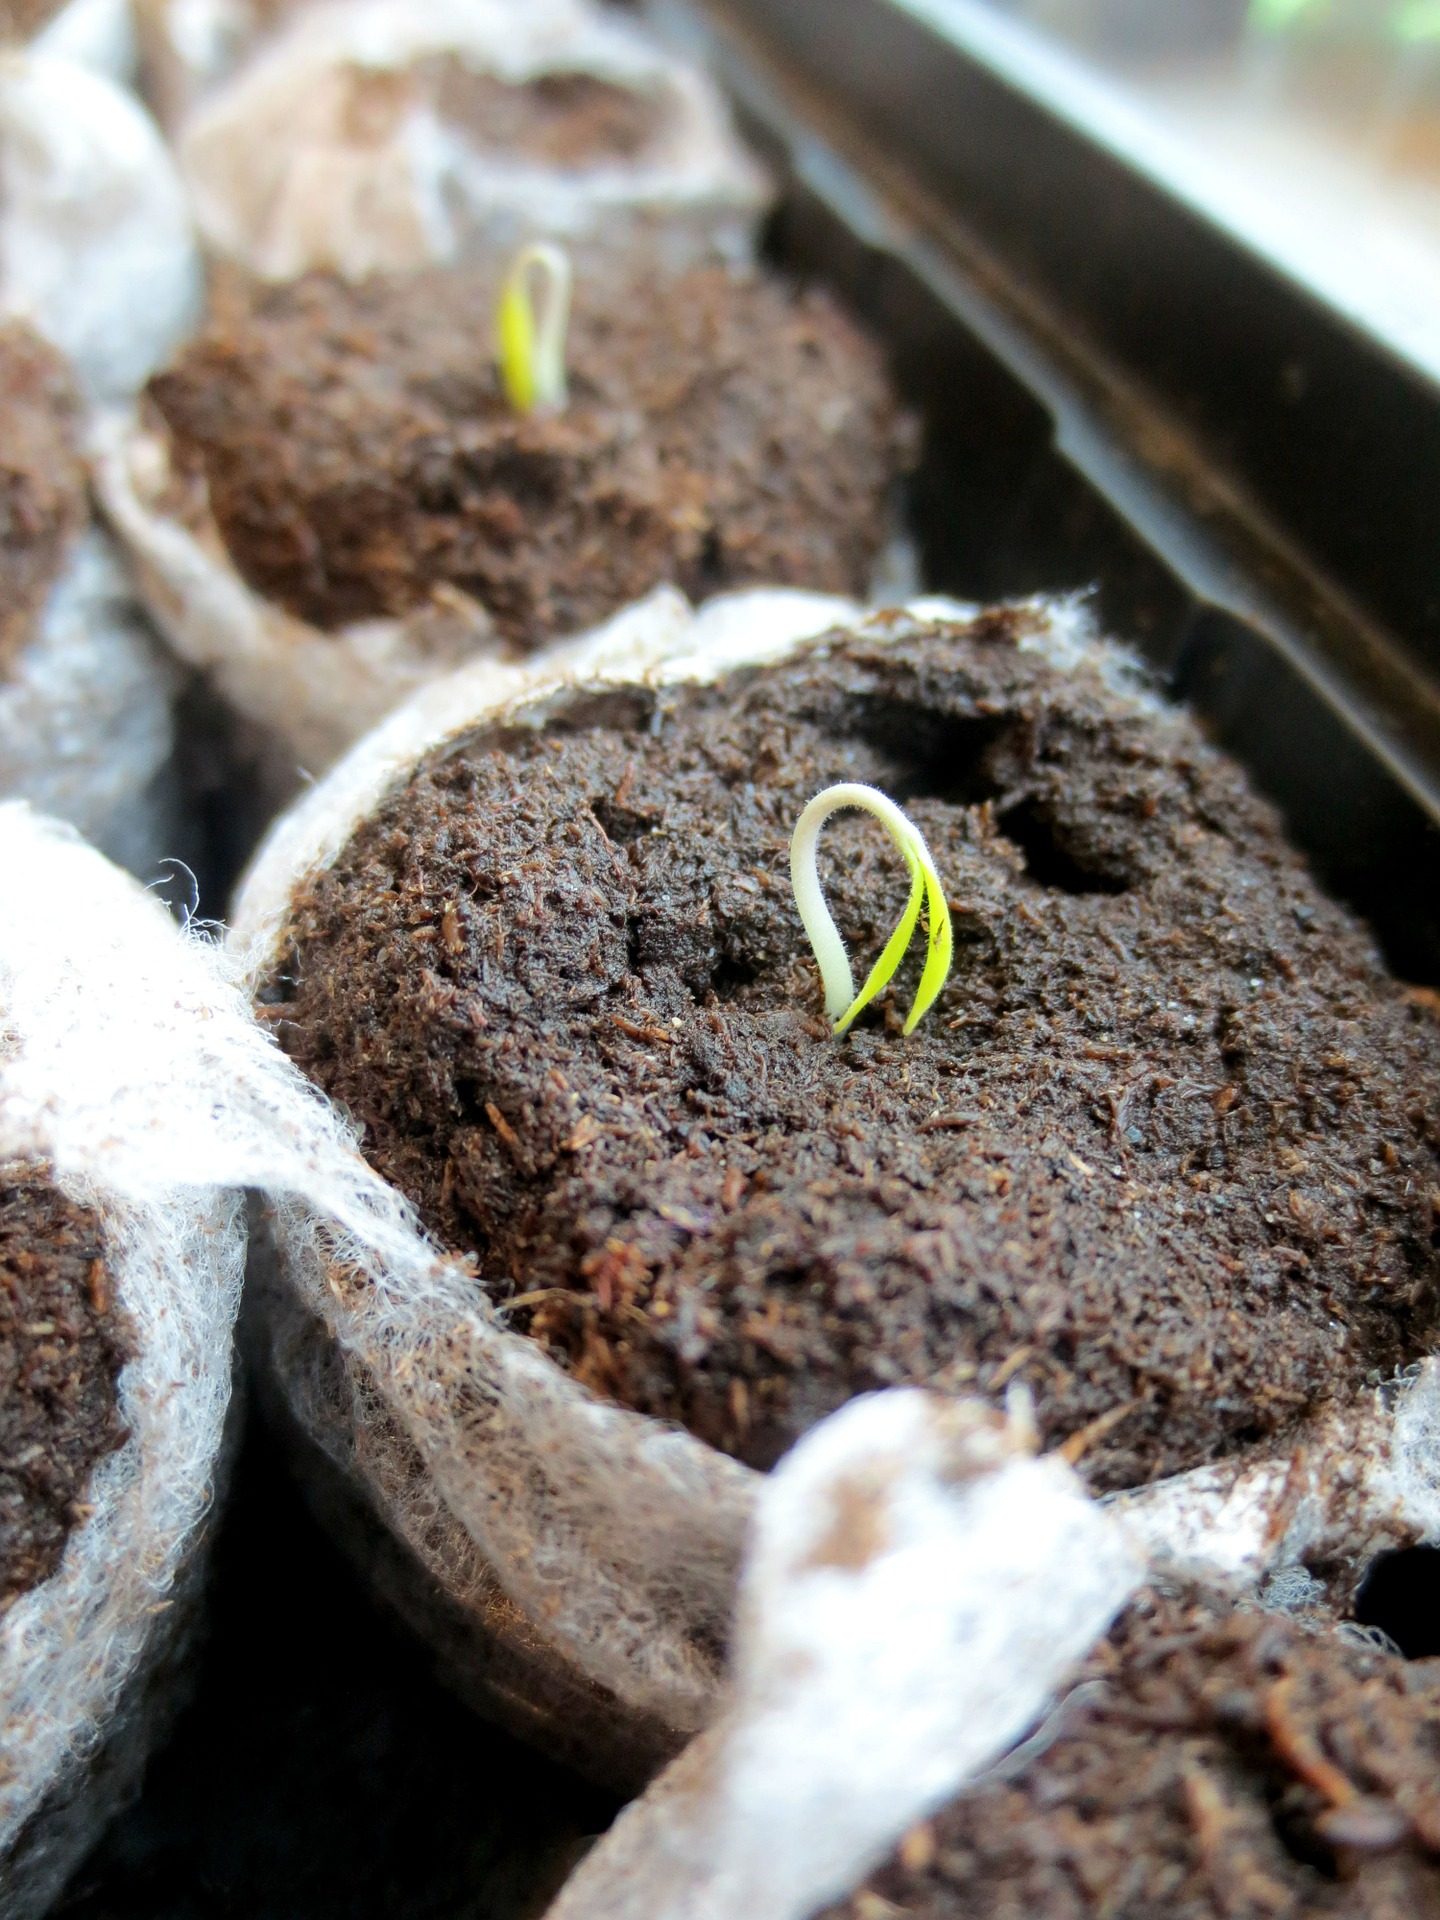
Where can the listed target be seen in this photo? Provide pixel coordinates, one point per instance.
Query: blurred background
(1310, 128)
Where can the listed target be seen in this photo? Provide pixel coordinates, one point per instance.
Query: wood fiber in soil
(360, 459)
(42, 481)
(62, 1345)
(1217, 1765)
(1165, 1149)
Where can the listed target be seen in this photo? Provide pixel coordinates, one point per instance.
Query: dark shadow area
(321, 1772)
(1401, 1596)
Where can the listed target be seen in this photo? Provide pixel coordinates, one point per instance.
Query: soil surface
(360, 459)
(1165, 1149)
(62, 1345)
(565, 120)
(1214, 1765)
(42, 481)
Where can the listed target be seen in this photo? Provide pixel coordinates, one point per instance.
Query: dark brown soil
(63, 1342)
(42, 481)
(558, 120)
(1219, 1765)
(1165, 1149)
(361, 460)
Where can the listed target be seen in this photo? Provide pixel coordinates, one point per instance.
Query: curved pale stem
(530, 333)
(842, 1003)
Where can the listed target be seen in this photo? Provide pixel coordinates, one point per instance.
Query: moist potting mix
(333, 496)
(558, 978)
(536, 936)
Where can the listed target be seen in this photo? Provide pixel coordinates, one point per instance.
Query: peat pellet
(1205, 1760)
(87, 726)
(1207, 1763)
(43, 503)
(99, 281)
(98, 250)
(1155, 1166)
(333, 499)
(118, 1292)
(360, 458)
(1163, 1152)
(371, 136)
(63, 1341)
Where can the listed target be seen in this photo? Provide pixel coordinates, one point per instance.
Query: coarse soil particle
(1216, 1765)
(63, 1342)
(360, 459)
(1165, 1149)
(42, 480)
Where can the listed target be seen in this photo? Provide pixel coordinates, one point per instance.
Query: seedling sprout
(530, 334)
(842, 1003)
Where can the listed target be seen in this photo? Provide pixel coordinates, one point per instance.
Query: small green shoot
(842, 1003)
(530, 334)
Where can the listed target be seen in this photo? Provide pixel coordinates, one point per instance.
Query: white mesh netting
(187, 46)
(916, 1589)
(599, 1546)
(96, 247)
(852, 1712)
(91, 33)
(96, 254)
(87, 721)
(96, 982)
(1362, 1475)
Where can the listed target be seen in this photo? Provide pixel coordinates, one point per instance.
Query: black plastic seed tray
(1119, 395)
(1102, 383)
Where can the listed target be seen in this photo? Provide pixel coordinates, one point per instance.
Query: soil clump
(1165, 1149)
(361, 461)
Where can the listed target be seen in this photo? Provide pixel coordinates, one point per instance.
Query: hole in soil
(940, 757)
(1299, 1838)
(1401, 1596)
(709, 567)
(634, 946)
(731, 975)
(619, 823)
(586, 710)
(1047, 861)
(936, 757)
